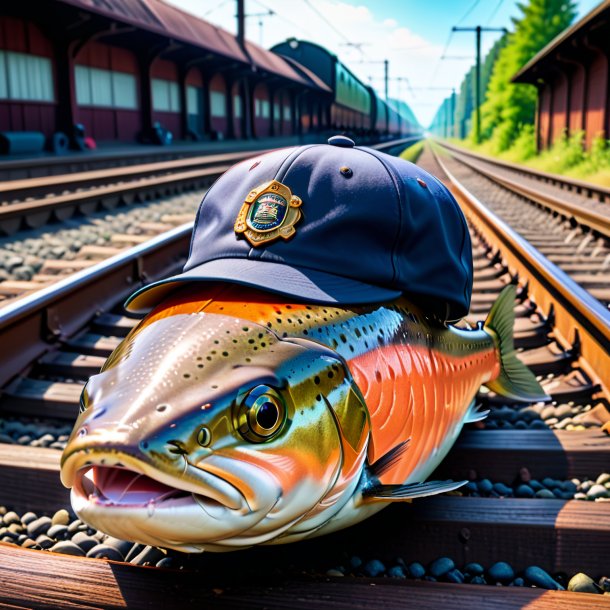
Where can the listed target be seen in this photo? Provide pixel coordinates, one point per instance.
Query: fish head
(210, 432)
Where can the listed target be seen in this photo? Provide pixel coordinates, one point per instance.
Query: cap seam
(399, 232)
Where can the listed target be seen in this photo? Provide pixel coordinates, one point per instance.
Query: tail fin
(515, 381)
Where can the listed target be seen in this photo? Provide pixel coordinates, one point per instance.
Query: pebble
(22, 254)
(168, 562)
(75, 526)
(122, 546)
(331, 572)
(474, 569)
(84, 541)
(10, 518)
(148, 556)
(44, 541)
(597, 491)
(502, 489)
(355, 562)
(485, 485)
(61, 517)
(67, 548)
(29, 544)
(416, 570)
(545, 493)
(582, 583)
(59, 532)
(135, 550)
(563, 411)
(373, 568)
(478, 580)
(454, 576)
(39, 526)
(501, 572)
(28, 517)
(103, 551)
(538, 577)
(603, 479)
(16, 528)
(524, 491)
(439, 567)
(518, 582)
(397, 572)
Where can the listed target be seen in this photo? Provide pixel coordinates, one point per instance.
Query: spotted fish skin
(356, 382)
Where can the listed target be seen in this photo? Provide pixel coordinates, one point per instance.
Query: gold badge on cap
(269, 212)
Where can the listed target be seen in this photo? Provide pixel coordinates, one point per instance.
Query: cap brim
(299, 283)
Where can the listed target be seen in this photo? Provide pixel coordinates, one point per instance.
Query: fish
(230, 418)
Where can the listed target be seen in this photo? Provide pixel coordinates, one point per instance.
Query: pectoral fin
(402, 493)
(475, 413)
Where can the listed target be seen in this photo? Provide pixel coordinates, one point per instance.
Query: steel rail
(31, 187)
(30, 325)
(602, 193)
(112, 185)
(584, 216)
(575, 308)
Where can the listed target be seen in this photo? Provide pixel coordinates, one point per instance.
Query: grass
(412, 153)
(566, 157)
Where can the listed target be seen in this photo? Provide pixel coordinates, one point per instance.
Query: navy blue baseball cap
(330, 223)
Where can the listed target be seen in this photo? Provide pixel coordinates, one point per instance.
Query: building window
(25, 77)
(165, 95)
(237, 106)
(265, 109)
(257, 107)
(193, 100)
(96, 87)
(218, 104)
(276, 111)
(287, 113)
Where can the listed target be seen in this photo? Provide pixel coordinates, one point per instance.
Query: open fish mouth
(111, 486)
(121, 481)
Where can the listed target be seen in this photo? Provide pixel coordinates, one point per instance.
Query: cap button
(342, 142)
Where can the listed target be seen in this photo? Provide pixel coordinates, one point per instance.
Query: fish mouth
(111, 486)
(122, 481)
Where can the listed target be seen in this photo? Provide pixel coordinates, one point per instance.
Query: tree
(466, 99)
(508, 106)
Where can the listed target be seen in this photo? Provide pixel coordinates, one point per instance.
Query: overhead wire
(493, 14)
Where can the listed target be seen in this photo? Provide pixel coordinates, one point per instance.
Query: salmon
(229, 418)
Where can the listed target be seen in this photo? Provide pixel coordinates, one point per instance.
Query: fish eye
(204, 436)
(261, 414)
(84, 402)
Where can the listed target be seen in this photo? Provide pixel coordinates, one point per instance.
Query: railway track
(567, 221)
(89, 200)
(63, 333)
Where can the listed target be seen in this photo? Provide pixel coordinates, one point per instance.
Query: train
(355, 107)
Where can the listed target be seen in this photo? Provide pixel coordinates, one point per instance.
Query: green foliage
(508, 106)
(524, 146)
(412, 153)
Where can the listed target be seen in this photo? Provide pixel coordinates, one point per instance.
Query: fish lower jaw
(109, 488)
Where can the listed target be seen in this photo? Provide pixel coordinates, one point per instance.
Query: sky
(425, 59)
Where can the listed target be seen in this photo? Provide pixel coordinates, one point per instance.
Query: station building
(572, 77)
(123, 69)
